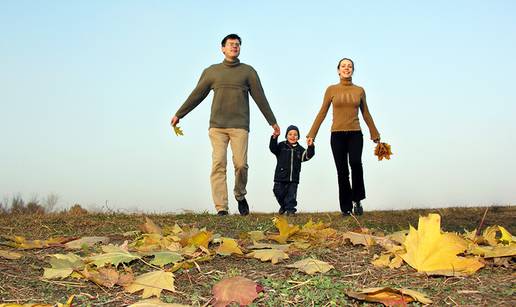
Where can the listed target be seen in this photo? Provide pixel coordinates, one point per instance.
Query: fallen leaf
(115, 256)
(86, 241)
(229, 246)
(311, 266)
(435, 253)
(150, 227)
(10, 255)
(106, 277)
(155, 302)
(285, 229)
(282, 247)
(493, 251)
(274, 255)
(236, 289)
(22, 243)
(389, 296)
(256, 235)
(152, 283)
(382, 261)
(62, 266)
(165, 257)
(358, 238)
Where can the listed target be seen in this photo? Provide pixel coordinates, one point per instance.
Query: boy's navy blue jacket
(289, 159)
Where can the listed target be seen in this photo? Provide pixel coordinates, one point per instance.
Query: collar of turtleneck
(234, 63)
(346, 81)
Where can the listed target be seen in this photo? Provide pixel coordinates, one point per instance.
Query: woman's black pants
(347, 146)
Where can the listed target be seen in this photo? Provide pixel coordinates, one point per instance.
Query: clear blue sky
(87, 90)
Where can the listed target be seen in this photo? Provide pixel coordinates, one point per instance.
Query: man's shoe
(243, 207)
(346, 214)
(291, 213)
(222, 213)
(357, 208)
(281, 211)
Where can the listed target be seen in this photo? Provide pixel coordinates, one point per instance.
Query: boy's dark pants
(346, 144)
(286, 194)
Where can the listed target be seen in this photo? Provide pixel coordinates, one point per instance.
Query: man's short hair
(231, 36)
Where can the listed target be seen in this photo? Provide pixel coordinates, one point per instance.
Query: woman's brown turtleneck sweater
(346, 99)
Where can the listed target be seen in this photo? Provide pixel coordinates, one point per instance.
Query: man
(231, 82)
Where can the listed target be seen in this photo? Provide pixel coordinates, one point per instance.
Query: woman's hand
(377, 141)
(309, 141)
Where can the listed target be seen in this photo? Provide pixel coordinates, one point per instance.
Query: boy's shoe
(243, 207)
(357, 208)
(290, 213)
(281, 211)
(222, 213)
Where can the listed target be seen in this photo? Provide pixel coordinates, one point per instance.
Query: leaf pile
(162, 251)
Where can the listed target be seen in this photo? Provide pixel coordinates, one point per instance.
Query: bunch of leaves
(383, 150)
(177, 130)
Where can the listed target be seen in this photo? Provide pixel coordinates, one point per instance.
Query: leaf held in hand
(177, 130)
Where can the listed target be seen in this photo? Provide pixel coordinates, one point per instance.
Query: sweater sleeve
(322, 114)
(197, 96)
(273, 145)
(256, 91)
(368, 118)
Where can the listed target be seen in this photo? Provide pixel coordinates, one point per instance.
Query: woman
(346, 137)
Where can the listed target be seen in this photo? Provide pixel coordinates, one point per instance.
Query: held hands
(309, 141)
(276, 131)
(174, 121)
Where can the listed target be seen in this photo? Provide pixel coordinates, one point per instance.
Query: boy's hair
(292, 127)
(231, 36)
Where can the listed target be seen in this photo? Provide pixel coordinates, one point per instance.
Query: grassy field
(21, 280)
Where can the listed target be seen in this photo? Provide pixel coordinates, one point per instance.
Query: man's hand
(174, 121)
(277, 130)
(309, 141)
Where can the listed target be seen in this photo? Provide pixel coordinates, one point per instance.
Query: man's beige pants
(220, 138)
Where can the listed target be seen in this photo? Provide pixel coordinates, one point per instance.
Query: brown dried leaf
(389, 296)
(236, 289)
(150, 227)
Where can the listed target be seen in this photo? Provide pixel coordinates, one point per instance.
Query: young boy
(289, 155)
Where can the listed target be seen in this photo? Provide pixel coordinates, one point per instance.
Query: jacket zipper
(291, 163)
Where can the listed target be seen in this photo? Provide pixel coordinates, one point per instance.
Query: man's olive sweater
(346, 99)
(231, 82)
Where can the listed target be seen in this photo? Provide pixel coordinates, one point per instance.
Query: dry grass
(20, 280)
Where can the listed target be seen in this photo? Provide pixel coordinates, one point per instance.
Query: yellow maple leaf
(10, 255)
(435, 253)
(285, 229)
(256, 235)
(493, 251)
(152, 283)
(359, 238)
(274, 255)
(311, 266)
(229, 246)
(177, 130)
